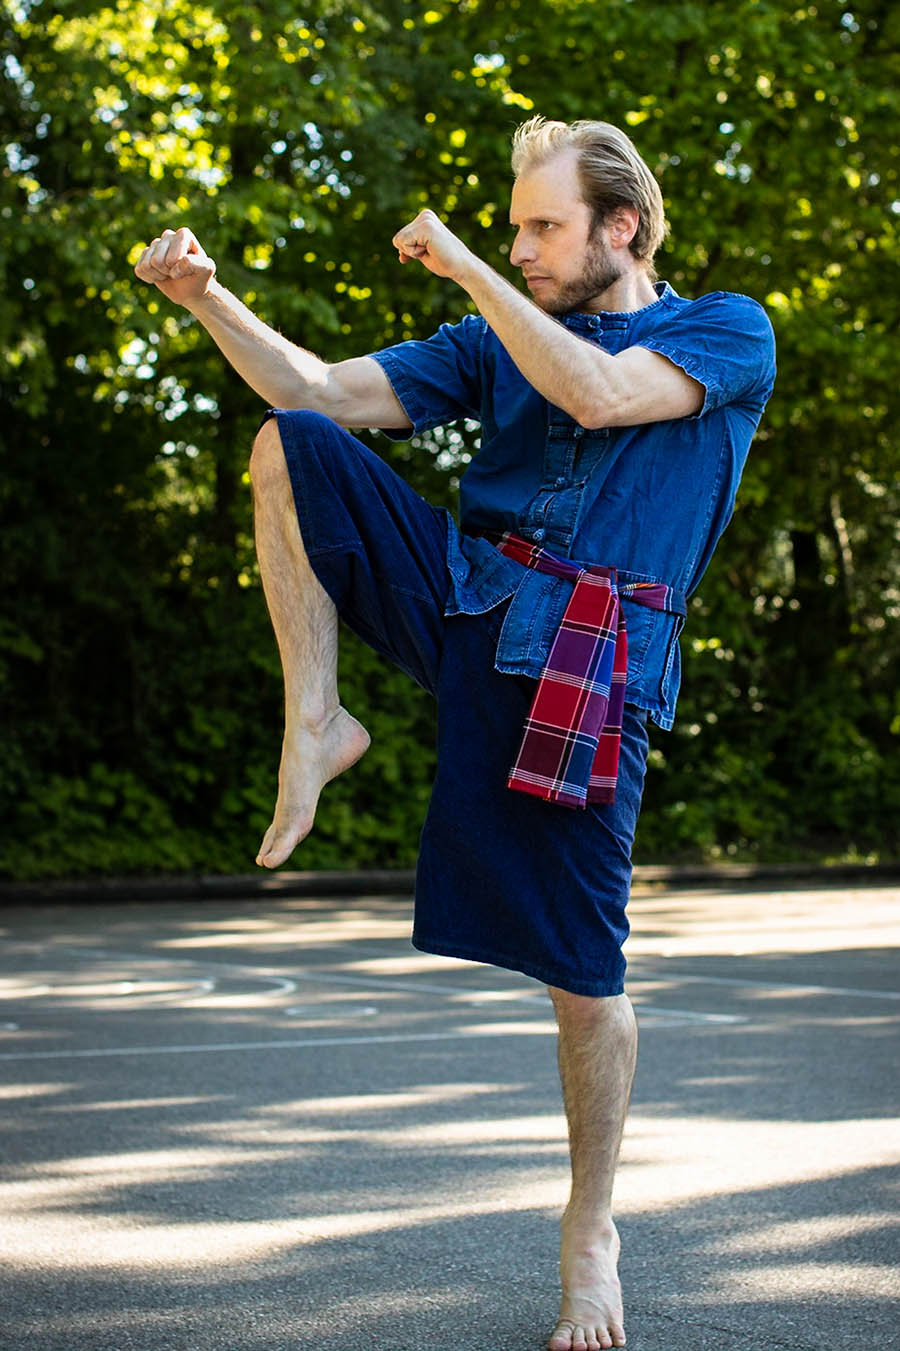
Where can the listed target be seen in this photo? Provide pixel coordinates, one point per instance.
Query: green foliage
(139, 677)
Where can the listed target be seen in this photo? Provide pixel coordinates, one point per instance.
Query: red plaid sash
(570, 744)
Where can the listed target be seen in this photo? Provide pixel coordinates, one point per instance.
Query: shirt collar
(609, 319)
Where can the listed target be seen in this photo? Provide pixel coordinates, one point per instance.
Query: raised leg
(597, 1054)
(321, 739)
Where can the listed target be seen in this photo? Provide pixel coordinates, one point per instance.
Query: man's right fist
(176, 263)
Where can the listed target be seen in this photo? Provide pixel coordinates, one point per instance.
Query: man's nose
(522, 250)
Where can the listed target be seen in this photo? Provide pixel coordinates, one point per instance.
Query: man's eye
(546, 224)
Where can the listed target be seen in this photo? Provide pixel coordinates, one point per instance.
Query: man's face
(565, 266)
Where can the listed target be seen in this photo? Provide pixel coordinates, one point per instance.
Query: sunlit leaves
(294, 140)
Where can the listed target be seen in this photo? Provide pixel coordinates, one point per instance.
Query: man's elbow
(592, 419)
(631, 409)
(603, 400)
(595, 412)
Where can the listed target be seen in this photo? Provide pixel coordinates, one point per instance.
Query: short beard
(597, 276)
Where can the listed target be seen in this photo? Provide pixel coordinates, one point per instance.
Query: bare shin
(321, 739)
(303, 616)
(597, 1056)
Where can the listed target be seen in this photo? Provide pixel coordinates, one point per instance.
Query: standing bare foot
(590, 1315)
(311, 755)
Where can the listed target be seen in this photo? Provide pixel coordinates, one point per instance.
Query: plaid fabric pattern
(570, 743)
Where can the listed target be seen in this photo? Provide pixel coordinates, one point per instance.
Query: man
(616, 418)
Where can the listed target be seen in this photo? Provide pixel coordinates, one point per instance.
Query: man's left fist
(428, 239)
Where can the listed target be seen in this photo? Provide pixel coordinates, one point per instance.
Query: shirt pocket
(654, 664)
(654, 660)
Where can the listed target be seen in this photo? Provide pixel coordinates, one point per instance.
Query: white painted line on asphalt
(656, 1018)
(211, 1048)
(145, 990)
(330, 1012)
(300, 974)
(775, 985)
(282, 984)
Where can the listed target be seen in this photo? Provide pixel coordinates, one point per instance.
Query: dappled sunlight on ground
(661, 1154)
(208, 1108)
(791, 1236)
(716, 922)
(298, 926)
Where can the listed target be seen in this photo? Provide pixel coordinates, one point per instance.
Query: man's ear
(622, 224)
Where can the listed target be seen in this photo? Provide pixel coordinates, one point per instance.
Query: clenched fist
(428, 240)
(177, 264)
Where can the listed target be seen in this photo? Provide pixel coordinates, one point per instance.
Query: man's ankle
(312, 717)
(589, 1219)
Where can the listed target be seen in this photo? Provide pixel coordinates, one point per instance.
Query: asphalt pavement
(268, 1124)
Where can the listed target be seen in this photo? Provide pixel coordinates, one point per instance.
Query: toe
(278, 844)
(561, 1339)
(265, 846)
(280, 850)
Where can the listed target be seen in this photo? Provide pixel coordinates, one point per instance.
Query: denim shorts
(502, 877)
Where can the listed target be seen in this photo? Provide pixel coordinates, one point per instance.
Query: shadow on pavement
(353, 1188)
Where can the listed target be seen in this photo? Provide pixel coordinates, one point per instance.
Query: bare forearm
(569, 372)
(594, 387)
(283, 374)
(355, 392)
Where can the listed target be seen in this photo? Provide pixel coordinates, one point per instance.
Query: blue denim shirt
(650, 501)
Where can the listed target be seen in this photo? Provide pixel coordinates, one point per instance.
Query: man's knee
(267, 464)
(315, 432)
(590, 1010)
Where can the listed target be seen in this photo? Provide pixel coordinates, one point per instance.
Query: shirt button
(560, 483)
(538, 535)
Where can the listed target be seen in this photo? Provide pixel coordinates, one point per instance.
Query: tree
(135, 659)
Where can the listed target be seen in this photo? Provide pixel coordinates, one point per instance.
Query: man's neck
(633, 291)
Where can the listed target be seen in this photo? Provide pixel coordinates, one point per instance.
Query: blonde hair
(611, 171)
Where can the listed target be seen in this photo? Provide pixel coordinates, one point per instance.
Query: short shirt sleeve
(437, 380)
(725, 341)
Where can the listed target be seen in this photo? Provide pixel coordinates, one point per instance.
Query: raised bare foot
(310, 758)
(590, 1315)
